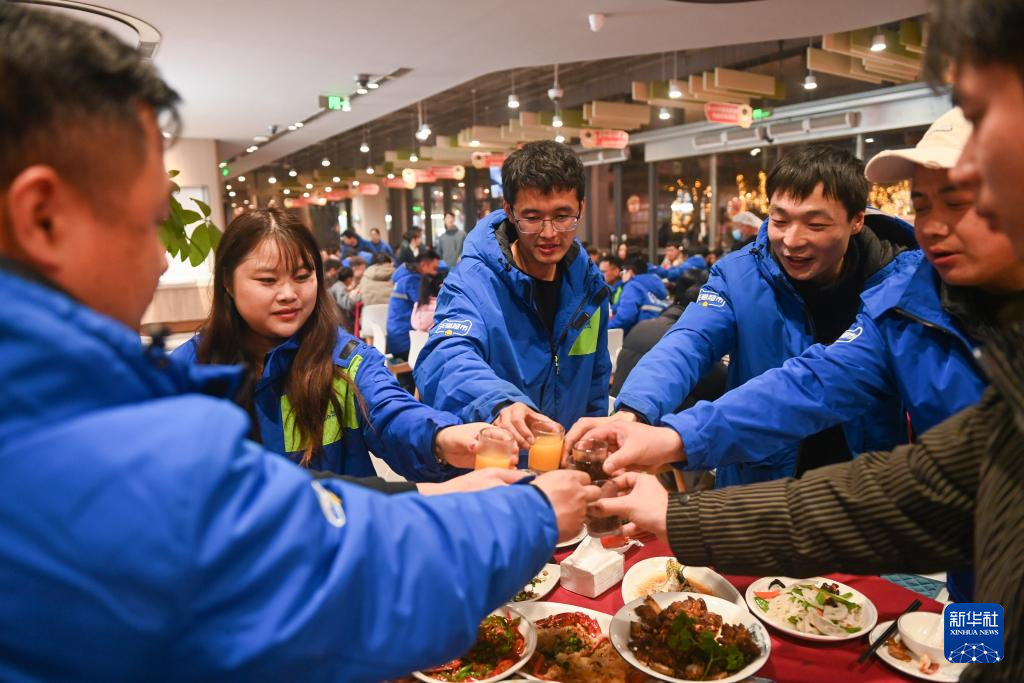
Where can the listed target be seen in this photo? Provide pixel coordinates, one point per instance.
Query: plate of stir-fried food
(690, 637)
(505, 641)
(573, 646)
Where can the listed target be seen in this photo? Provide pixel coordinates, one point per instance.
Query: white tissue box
(592, 569)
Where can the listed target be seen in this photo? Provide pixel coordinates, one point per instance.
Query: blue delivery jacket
(404, 294)
(144, 538)
(490, 347)
(903, 344)
(643, 297)
(400, 430)
(749, 310)
(672, 274)
(380, 247)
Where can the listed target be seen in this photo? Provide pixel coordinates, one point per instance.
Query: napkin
(592, 569)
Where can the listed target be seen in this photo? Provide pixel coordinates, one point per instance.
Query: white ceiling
(241, 65)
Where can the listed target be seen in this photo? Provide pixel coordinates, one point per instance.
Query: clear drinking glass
(588, 456)
(495, 446)
(546, 451)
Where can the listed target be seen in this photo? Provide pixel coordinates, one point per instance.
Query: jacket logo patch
(850, 335)
(330, 505)
(451, 327)
(708, 298)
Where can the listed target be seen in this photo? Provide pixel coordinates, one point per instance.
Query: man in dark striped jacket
(961, 485)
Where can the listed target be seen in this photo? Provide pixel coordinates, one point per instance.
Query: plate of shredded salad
(814, 609)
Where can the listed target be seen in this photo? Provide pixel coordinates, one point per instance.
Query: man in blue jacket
(404, 294)
(522, 323)
(799, 283)
(352, 244)
(611, 271)
(643, 296)
(140, 529)
(379, 246)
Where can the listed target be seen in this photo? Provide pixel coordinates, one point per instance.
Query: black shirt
(547, 296)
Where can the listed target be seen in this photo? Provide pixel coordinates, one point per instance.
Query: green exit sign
(761, 114)
(225, 171)
(336, 103)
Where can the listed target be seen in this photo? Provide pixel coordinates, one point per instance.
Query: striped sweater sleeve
(908, 510)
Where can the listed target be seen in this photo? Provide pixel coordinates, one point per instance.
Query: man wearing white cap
(914, 337)
(744, 228)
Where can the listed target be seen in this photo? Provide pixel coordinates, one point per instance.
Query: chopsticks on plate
(888, 633)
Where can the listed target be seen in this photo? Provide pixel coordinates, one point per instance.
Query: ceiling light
(309, 186)
(325, 162)
(272, 180)
(328, 189)
(241, 178)
(423, 133)
(673, 90)
(293, 173)
(286, 191)
(222, 164)
(251, 148)
(556, 121)
(391, 176)
(299, 124)
(233, 205)
(513, 102)
(559, 138)
(227, 187)
(291, 126)
(373, 85)
(305, 194)
(878, 42)
(413, 157)
(664, 114)
(246, 202)
(462, 184)
(810, 82)
(355, 183)
(336, 180)
(364, 148)
(869, 140)
(370, 170)
(232, 194)
(754, 152)
(260, 138)
(474, 143)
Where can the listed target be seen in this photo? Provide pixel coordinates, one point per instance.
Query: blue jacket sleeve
(597, 405)
(452, 372)
(401, 430)
(667, 373)
(825, 386)
(628, 311)
(291, 579)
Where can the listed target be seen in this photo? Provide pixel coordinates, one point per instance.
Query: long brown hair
(225, 332)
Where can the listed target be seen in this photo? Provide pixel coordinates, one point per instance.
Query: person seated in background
(611, 271)
(352, 244)
(622, 251)
(345, 294)
(332, 267)
(410, 248)
(376, 285)
(745, 226)
(673, 256)
(595, 254)
(522, 323)
(177, 548)
(647, 333)
(643, 296)
(713, 256)
(404, 295)
(272, 312)
(687, 264)
(358, 265)
(377, 245)
(798, 284)
(426, 302)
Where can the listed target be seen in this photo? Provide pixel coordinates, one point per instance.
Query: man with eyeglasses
(522, 324)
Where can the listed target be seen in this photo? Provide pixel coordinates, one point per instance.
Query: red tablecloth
(792, 660)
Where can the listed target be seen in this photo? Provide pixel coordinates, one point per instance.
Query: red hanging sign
(596, 138)
(730, 114)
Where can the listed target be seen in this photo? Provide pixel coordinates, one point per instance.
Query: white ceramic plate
(530, 644)
(731, 613)
(545, 585)
(947, 673)
(574, 540)
(535, 611)
(868, 608)
(645, 570)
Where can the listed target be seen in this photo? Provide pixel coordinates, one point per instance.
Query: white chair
(417, 340)
(380, 341)
(615, 337)
(371, 315)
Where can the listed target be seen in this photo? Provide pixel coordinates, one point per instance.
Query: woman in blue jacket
(315, 393)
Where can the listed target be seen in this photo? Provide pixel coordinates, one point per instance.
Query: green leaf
(175, 187)
(204, 207)
(188, 217)
(196, 255)
(173, 173)
(201, 238)
(215, 235)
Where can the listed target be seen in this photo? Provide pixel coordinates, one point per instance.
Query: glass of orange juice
(495, 447)
(546, 451)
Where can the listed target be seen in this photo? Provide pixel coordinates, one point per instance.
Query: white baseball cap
(747, 218)
(939, 148)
